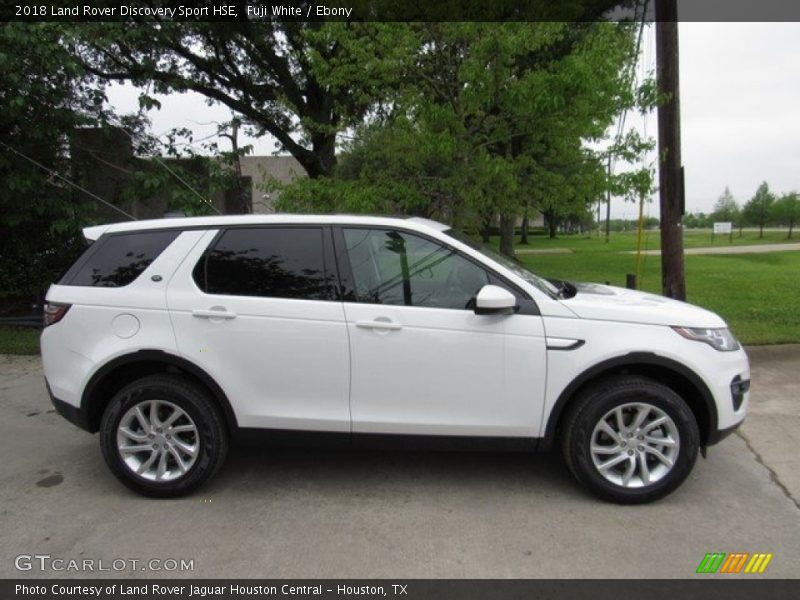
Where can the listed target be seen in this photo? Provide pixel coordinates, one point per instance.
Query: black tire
(211, 438)
(594, 403)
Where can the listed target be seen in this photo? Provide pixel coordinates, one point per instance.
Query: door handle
(389, 325)
(213, 314)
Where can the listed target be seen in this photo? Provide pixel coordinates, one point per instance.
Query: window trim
(330, 271)
(343, 266)
(527, 307)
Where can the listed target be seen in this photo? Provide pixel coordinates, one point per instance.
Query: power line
(173, 173)
(69, 182)
(621, 123)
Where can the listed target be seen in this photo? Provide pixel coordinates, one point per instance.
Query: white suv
(173, 337)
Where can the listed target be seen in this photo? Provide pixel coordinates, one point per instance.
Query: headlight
(720, 339)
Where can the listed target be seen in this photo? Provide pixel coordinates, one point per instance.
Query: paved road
(309, 513)
(751, 249)
(542, 251)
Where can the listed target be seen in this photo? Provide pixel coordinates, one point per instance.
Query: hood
(609, 303)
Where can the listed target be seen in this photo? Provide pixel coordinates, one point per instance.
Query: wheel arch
(122, 370)
(675, 375)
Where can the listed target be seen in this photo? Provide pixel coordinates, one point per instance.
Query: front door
(422, 361)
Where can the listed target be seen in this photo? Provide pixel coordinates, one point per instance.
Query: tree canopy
(786, 210)
(726, 209)
(493, 119)
(758, 209)
(43, 98)
(301, 82)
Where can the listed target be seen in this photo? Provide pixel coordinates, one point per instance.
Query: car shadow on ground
(266, 467)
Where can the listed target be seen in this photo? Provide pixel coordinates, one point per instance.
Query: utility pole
(242, 198)
(608, 202)
(670, 173)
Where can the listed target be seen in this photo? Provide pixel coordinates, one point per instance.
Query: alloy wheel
(157, 440)
(635, 445)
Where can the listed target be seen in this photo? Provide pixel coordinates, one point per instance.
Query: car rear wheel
(163, 436)
(630, 439)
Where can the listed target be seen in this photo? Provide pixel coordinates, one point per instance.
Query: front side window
(392, 267)
(117, 260)
(271, 262)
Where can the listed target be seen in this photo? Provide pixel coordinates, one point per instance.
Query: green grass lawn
(757, 294)
(19, 340)
(651, 240)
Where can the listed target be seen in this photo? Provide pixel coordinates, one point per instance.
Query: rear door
(422, 361)
(257, 308)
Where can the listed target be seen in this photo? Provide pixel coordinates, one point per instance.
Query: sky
(740, 111)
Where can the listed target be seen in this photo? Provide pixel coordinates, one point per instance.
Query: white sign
(725, 227)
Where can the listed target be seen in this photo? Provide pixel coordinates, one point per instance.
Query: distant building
(104, 163)
(260, 168)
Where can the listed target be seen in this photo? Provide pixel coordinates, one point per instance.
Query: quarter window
(119, 259)
(390, 267)
(266, 261)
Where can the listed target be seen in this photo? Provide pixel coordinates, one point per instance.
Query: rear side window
(118, 259)
(272, 262)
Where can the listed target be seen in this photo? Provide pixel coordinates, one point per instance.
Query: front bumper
(715, 437)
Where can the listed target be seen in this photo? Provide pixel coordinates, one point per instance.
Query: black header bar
(730, 588)
(390, 10)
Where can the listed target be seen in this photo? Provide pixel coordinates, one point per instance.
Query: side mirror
(494, 300)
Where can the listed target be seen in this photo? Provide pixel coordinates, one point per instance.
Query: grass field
(757, 294)
(19, 340)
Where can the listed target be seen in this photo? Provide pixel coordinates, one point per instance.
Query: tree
(43, 99)
(758, 209)
(493, 118)
(697, 220)
(48, 101)
(786, 211)
(725, 208)
(301, 82)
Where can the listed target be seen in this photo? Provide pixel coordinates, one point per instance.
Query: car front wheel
(630, 439)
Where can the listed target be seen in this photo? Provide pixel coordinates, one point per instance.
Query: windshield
(511, 264)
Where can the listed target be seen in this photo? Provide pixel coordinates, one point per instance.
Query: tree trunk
(324, 156)
(761, 230)
(486, 230)
(507, 234)
(551, 223)
(525, 226)
(791, 226)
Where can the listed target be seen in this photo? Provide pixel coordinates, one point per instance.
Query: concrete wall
(260, 168)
